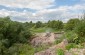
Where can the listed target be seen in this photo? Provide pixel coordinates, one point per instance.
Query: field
(43, 30)
(54, 37)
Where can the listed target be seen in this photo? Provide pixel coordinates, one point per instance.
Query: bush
(12, 32)
(80, 31)
(20, 49)
(60, 52)
(40, 48)
(55, 24)
(59, 40)
(71, 45)
(70, 25)
(71, 36)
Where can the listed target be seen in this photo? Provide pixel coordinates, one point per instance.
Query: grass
(71, 45)
(41, 48)
(38, 30)
(60, 52)
(44, 29)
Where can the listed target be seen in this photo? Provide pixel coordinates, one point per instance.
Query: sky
(42, 10)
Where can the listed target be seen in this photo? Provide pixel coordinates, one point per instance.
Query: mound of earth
(75, 51)
(52, 50)
(49, 38)
(43, 38)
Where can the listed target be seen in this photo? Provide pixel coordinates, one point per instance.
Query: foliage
(60, 52)
(70, 25)
(43, 29)
(28, 25)
(55, 24)
(80, 31)
(38, 30)
(20, 49)
(40, 48)
(12, 32)
(71, 45)
(59, 40)
(38, 24)
(15, 36)
(71, 36)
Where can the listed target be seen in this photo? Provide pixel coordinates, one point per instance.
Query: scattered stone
(52, 50)
(68, 53)
(78, 51)
(62, 44)
(43, 39)
(49, 38)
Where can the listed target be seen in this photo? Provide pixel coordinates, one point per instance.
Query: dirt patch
(52, 50)
(43, 39)
(48, 39)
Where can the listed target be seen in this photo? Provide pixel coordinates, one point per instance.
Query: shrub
(60, 52)
(55, 24)
(20, 49)
(59, 40)
(40, 48)
(71, 45)
(80, 31)
(71, 36)
(12, 32)
(70, 25)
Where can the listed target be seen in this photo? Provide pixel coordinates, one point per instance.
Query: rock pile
(52, 50)
(78, 51)
(75, 51)
(46, 39)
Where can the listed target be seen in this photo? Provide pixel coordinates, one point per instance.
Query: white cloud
(33, 4)
(63, 13)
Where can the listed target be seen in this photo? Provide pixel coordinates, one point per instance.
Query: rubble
(52, 50)
(49, 38)
(45, 39)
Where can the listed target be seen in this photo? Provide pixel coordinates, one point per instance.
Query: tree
(38, 24)
(12, 32)
(55, 24)
(80, 31)
(29, 24)
(70, 25)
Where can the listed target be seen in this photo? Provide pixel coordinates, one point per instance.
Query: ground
(42, 39)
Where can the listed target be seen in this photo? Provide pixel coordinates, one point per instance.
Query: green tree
(55, 24)
(38, 24)
(70, 25)
(29, 24)
(80, 31)
(12, 32)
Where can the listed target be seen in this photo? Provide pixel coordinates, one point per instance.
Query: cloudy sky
(41, 10)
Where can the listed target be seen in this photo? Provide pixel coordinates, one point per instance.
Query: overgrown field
(15, 37)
